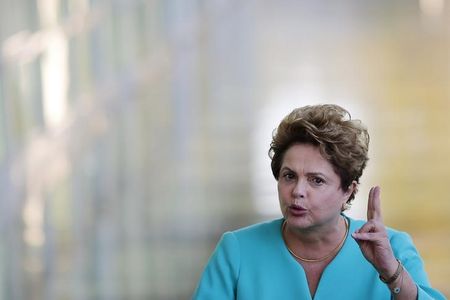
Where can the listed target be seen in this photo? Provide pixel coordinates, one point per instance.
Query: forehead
(306, 157)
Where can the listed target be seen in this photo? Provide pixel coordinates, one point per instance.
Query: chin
(295, 221)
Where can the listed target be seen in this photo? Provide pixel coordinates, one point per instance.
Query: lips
(297, 210)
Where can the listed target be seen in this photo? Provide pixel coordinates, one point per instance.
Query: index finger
(374, 204)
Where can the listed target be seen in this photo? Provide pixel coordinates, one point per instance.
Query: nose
(299, 190)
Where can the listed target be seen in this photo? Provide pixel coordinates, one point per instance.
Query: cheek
(282, 193)
(329, 200)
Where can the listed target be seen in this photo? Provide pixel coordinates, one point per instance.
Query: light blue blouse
(254, 263)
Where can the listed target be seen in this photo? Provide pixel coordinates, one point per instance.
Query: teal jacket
(254, 263)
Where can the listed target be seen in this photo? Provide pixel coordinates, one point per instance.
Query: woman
(315, 251)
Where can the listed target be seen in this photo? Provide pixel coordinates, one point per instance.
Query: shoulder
(259, 229)
(401, 242)
(393, 234)
(258, 235)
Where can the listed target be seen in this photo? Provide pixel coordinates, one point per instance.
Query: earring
(345, 206)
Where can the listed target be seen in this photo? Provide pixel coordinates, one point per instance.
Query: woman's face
(309, 189)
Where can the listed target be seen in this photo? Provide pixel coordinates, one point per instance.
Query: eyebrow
(309, 173)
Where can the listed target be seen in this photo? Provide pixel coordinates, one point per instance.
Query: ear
(352, 188)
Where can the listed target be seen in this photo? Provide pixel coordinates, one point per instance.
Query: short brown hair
(342, 141)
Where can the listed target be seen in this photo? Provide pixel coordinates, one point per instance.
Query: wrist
(391, 276)
(389, 269)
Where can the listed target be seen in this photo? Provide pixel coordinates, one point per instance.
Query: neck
(316, 241)
(318, 234)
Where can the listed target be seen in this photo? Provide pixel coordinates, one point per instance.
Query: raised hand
(372, 237)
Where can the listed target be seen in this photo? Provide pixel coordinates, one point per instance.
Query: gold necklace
(335, 250)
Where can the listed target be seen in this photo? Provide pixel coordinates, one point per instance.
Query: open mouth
(297, 209)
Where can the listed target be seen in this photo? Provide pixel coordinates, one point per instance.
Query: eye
(317, 180)
(288, 176)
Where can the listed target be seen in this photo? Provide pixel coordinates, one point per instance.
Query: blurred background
(134, 133)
